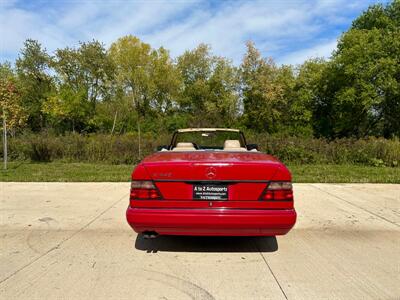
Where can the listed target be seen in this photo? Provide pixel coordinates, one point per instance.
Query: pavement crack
(57, 246)
(272, 273)
(355, 205)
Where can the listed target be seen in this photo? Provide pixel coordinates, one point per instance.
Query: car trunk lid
(211, 175)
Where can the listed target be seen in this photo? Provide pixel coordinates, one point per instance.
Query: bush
(297, 150)
(40, 151)
(124, 149)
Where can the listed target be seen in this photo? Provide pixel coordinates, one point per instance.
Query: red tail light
(144, 190)
(279, 191)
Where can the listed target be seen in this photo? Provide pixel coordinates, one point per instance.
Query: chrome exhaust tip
(150, 234)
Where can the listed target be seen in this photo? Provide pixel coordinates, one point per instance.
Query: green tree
(195, 67)
(366, 75)
(84, 78)
(12, 113)
(147, 79)
(355, 93)
(35, 82)
(379, 16)
(222, 104)
(68, 108)
(166, 82)
(309, 107)
(134, 63)
(210, 93)
(98, 71)
(295, 113)
(262, 92)
(10, 99)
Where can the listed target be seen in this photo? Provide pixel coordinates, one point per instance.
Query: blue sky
(289, 31)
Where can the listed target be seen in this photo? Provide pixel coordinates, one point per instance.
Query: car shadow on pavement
(206, 244)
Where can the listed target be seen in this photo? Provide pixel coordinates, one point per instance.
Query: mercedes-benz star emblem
(211, 173)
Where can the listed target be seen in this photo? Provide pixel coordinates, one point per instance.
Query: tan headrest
(183, 146)
(233, 145)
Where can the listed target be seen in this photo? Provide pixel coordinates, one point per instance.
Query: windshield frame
(242, 138)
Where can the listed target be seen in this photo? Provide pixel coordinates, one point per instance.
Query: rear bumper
(229, 222)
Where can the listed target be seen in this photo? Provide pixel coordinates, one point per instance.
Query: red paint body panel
(246, 174)
(237, 191)
(230, 222)
(209, 156)
(228, 166)
(262, 205)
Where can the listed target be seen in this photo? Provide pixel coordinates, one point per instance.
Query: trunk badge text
(168, 174)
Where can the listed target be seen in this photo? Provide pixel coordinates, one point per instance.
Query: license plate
(210, 192)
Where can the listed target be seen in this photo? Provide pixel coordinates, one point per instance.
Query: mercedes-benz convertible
(209, 181)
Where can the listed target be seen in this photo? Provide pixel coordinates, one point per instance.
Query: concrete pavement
(71, 240)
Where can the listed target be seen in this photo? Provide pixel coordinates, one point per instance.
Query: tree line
(91, 88)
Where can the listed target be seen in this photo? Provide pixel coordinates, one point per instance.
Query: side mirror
(252, 147)
(165, 147)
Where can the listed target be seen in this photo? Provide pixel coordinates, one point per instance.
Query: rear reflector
(144, 190)
(279, 191)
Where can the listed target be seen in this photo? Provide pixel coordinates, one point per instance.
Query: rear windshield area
(208, 139)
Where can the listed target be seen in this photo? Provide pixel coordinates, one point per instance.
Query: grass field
(83, 172)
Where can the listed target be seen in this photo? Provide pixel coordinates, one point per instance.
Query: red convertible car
(208, 181)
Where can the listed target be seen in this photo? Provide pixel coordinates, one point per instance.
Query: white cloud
(229, 29)
(17, 25)
(322, 50)
(277, 27)
(66, 25)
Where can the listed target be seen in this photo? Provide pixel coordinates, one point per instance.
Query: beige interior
(182, 146)
(233, 145)
(229, 145)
